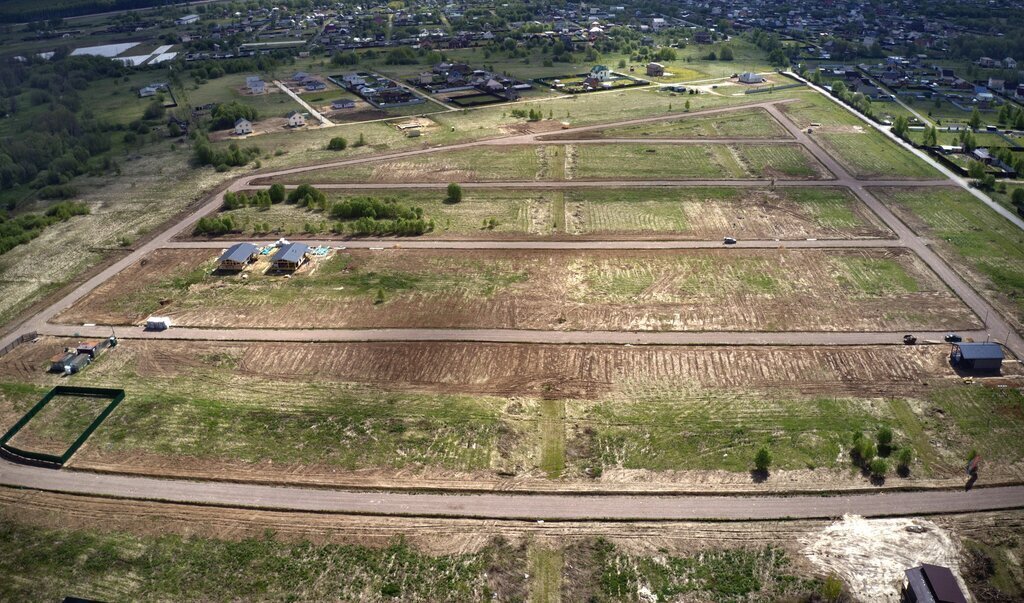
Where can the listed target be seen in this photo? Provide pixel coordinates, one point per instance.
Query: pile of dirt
(871, 555)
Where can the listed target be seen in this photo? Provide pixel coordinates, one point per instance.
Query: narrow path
(323, 120)
(511, 506)
(392, 243)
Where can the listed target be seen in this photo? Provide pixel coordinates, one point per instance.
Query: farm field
(983, 246)
(697, 213)
(682, 162)
(710, 213)
(393, 410)
(776, 290)
(747, 123)
(866, 153)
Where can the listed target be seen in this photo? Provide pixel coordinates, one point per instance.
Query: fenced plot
(57, 426)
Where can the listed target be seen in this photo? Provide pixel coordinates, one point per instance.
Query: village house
(186, 20)
(237, 257)
(750, 78)
(343, 104)
(290, 257)
(295, 119)
(600, 73)
(243, 126)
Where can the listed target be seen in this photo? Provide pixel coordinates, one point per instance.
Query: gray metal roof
(981, 351)
(292, 253)
(943, 584)
(239, 252)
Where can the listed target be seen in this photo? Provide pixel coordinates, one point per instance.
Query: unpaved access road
(506, 506)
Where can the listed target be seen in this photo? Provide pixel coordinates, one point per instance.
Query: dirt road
(507, 506)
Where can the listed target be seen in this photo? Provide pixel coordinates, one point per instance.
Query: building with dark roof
(987, 357)
(290, 257)
(237, 256)
(932, 584)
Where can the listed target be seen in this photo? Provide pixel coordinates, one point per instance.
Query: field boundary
(115, 396)
(20, 340)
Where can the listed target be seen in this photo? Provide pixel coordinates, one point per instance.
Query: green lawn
(746, 123)
(46, 564)
(969, 235)
(681, 162)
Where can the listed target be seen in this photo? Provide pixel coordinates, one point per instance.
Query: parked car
(953, 338)
(909, 339)
(729, 240)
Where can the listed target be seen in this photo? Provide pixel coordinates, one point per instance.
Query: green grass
(718, 430)
(58, 424)
(720, 575)
(1003, 577)
(874, 277)
(861, 149)
(990, 420)
(552, 437)
(749, 123)
(47, 564)
(970, 235)
(546, 566)
(672, 162)
(783, 161)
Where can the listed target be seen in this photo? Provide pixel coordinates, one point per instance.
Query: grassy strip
(748, 123)
(46, 565)
(603, 572)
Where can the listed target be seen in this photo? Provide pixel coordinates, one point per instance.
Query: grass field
(747, 123)
(670, 162)
(862, 150)
(710, 213)
(45, 564)
(764, 290)
(58, 425)
(985, 247)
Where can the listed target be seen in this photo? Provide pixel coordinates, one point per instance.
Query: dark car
(729, 240)
(953, 338)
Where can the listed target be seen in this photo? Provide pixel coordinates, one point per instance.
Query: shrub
(306, 195)
(277, 193)
(454, 193)
(763, 459)
(904, 457)
(884, 437)
(878, 468)
(337, 144)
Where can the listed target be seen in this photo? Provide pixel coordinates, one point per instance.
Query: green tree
(931, 137)
(975, 121)
(725, 53)
(276, 193)
(763, 459)
(454, 193)
(1017, 198)
(361, 141)
(379, 298)
(884, 437)
(976, 169)
(900, 126)
(337, 144)
(904, 457)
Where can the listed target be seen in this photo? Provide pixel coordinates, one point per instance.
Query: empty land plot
(704, 213)
(982, 245)
(470, 411)
(862, 150)
(516, 213)
(745, 123)
(467, 165)
(689, 162)
(760, 290)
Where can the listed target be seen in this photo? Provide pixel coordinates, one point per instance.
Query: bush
(154, 110)
(878, 468)
(225, 115)
(306, 195)
(214, 226)
(884, 438)
(763, 459)
(1018, 197)
(454, 193)
(337, 144)
(904, 457)
(277, 193)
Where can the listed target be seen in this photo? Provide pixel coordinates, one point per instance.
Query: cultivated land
(750, 290)
(752, 123)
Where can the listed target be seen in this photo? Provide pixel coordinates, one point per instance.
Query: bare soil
(551, 290)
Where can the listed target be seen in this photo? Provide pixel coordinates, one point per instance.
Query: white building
(601, 73)
(295, 119)
(750, 78)
(186, 20)
(243, 126)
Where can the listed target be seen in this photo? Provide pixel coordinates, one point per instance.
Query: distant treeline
(20, 11)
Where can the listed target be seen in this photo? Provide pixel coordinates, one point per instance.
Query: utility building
(932, 584)
(981, 357)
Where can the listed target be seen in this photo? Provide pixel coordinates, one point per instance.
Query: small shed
(987, 357)
(158, 323)
(93, 348)
(290, 257)
(932, 583)
(61, 363)
(655, 69)
(237, 256)
(750, 78)
(77, 364)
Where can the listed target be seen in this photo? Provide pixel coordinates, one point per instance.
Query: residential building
(295, 119)
(750, 78)
(186, 20)
(655, 69)
(237, 256)
(243, 126)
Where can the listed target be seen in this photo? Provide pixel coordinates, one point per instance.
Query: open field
(984, 247)
(58, 425)
(743, 123)
(465, 414)
(777, 290)
(862, 150)
(697, 213)
(681, 162)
